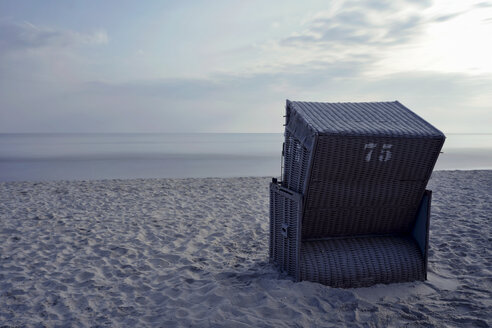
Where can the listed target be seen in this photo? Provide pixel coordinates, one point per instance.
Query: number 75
(384, 154)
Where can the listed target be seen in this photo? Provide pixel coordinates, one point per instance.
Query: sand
(194, 253)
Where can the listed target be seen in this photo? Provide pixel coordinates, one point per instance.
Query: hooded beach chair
(352, 209)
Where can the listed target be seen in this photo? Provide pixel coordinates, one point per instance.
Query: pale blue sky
(228, 66)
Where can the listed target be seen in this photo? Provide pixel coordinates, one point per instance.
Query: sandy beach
(194, 253)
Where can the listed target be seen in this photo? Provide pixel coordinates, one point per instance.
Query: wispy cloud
(51, 56)
(444, 18)
(382, 37)
(15, 36)
(352, 31)
(160, 79)
(239, 103)
(356, 26)
(484, 4)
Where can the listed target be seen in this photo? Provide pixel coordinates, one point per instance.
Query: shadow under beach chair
(352, 209)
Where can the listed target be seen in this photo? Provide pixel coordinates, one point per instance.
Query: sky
(228, 66)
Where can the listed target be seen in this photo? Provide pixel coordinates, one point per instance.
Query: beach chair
(352, 209)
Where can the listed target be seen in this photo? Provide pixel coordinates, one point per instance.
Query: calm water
(110, 156)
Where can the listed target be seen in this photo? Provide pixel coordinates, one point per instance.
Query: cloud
(238, 103)
(352, 31)
(52, 57)
(484, 5)
(373, 24)
(230, 86)
(55, 80)
(447, 17)
(170, 88)
(383, 37)
(16, 36)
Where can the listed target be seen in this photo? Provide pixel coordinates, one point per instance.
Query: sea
(41, 157)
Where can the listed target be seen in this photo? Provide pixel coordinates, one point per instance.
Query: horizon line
(114, 133)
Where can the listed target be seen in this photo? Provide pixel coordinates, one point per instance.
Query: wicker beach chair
(352, 209)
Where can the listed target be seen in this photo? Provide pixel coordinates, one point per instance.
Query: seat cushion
(361, 261)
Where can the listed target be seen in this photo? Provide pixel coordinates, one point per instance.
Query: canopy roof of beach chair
(384, 119)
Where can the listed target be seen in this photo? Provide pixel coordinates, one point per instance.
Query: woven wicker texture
(353, 182)
(356, 221)
(370, 118)
(358, 177)
(362, 261)
(375, 158)
(361, 185)
(285, 218)
(296, 160)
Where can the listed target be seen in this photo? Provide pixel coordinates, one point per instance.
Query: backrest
(362, 168)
